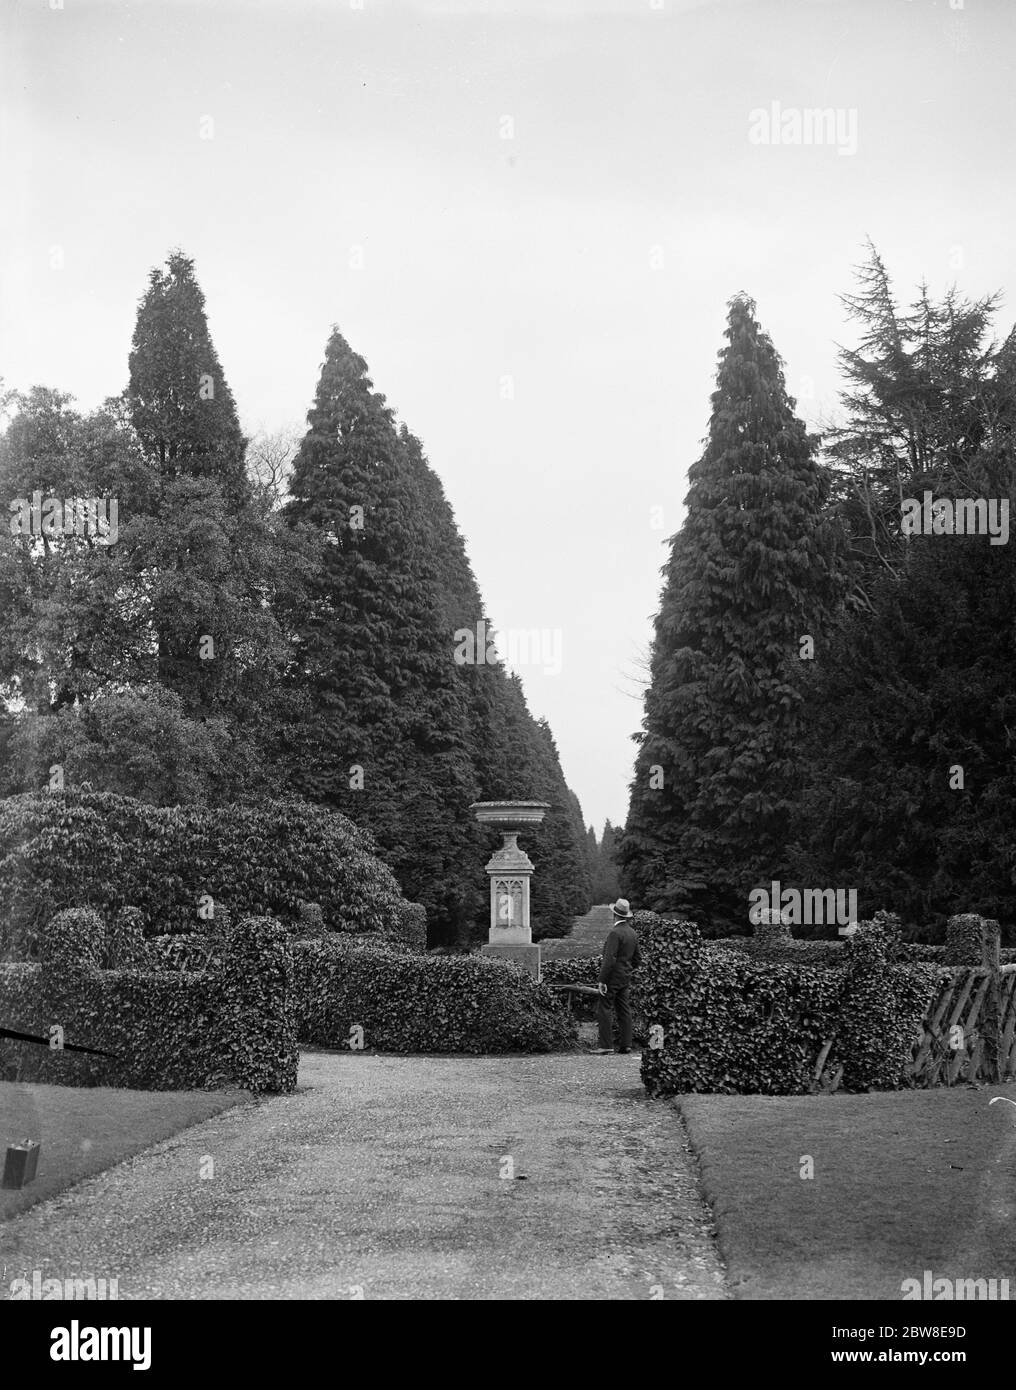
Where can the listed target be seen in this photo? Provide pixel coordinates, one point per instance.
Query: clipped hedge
(85, 849)
(739, 1023)
(585, 970)
(231, 1027)
(797, 951)
(406, 1002)
(410, 926)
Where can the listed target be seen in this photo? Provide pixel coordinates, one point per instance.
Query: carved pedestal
(510, 936)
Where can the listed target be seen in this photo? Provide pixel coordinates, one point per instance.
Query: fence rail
(967, 1035)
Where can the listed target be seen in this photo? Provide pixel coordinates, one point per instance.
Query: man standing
(620, 958)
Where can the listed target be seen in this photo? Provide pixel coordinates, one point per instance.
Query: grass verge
(903, 1182)
(83, 1130)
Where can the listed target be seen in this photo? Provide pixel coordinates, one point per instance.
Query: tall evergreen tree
(180, 402)
(605, 885)
(910, 785)
(205, 554)
(509, 752)
(751, 573)
(383, 720)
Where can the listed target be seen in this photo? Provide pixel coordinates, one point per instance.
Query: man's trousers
(616, 997)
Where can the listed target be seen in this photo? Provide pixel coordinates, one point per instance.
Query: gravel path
(384, 1174)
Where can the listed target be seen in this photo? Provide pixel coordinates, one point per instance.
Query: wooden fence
(969, 1033)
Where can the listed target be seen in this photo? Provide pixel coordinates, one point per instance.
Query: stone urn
(510, 870)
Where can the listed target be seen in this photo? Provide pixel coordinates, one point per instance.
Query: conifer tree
(382, 730)
(910, 781)
(750, 575)
(204, 553)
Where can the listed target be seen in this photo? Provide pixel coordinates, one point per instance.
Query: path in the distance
(384, 1172)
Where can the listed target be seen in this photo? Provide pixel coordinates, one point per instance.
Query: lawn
(903, 1182)
(585, 939)
(83, 1130)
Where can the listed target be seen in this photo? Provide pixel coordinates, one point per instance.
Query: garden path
(389, 1175)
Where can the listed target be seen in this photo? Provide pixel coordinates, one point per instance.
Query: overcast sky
(528, 218)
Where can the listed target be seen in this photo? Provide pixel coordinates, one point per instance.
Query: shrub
(771, 931)
(410, 926)
(965, 938)
(881, 1008)
(312, 920)
(125, 945)
(406, 1002)
(797, 951)
(230, 1027)
(77, 849)
(735, 1020)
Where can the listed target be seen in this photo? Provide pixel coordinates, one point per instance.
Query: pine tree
(751, 574)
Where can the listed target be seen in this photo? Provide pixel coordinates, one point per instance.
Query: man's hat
(621, 908)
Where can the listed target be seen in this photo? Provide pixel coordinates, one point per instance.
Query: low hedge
(230, 1027)
(737, 1022)
(406, 1002)
(795, 952)
(585, 970)
(85, 849)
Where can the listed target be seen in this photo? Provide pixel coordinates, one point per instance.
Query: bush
(965, 938)
(76, 849)
(312, 920)
(734, 1020)
(880, 1010)
(406, 1002)
(794, 952)
(410, 926)
(230, 1027)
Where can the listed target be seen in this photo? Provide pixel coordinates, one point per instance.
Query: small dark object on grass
(21, 1164)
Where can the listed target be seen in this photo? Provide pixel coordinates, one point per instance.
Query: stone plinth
(510, 870)
(528, 957)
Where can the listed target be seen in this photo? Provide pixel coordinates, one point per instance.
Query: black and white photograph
(507, 672)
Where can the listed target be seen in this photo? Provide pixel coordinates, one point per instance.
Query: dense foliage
(412, 1003)
(177, 865)
(230, 1026)
(751, 573)
(222, 648)
(884, 761)
(733, 1022)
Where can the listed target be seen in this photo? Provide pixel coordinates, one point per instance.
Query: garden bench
(572, 993)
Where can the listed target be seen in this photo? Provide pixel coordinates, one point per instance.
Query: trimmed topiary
(231, 1026)
(408, 1002)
